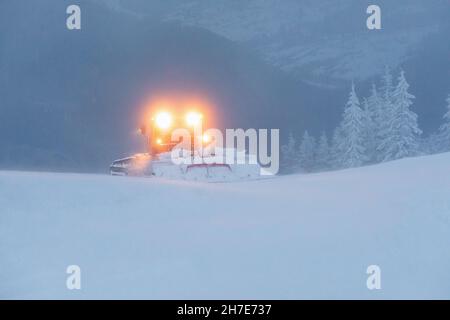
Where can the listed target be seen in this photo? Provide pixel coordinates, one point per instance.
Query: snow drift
(299, 236)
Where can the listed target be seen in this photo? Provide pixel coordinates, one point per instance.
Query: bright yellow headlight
(193, 119)
(163, 120)
(206, 138)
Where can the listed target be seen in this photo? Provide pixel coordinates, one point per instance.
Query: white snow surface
(292, 237)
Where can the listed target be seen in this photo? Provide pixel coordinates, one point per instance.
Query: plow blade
(162, 166)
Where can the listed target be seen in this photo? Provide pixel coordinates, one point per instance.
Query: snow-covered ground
(300, 236)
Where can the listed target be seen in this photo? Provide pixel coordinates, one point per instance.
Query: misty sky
(71, 100)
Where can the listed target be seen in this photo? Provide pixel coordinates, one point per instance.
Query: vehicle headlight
(193, 119)
(163, 120)
(206, 138)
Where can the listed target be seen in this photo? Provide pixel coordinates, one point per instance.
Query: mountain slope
(300, 236)
(316, 40)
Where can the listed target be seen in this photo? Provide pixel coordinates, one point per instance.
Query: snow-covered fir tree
(289, 155)
(369, 130)
(402, 139)
(373, 108)
(306, 152)
(353, 133)
(336, 149)
(444, 130)
(384, 114)
(387, 84)
(323, 153)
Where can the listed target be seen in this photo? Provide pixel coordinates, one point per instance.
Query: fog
(72, 100)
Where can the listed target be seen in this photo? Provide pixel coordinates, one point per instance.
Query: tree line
(379, 128)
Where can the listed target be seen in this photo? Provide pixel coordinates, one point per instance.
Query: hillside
(299, 236)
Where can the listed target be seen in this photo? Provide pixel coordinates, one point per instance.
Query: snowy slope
(300, 236)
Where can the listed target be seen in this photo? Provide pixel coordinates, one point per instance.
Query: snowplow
(177, 148)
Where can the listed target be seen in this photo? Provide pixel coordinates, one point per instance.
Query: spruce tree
(376, 117)
(306, 153)
(289, 155)
(385, 115)
(323, 153)
(336, 148)
(369, 130)
(353, 131)
(444, 130)
(404, 132)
